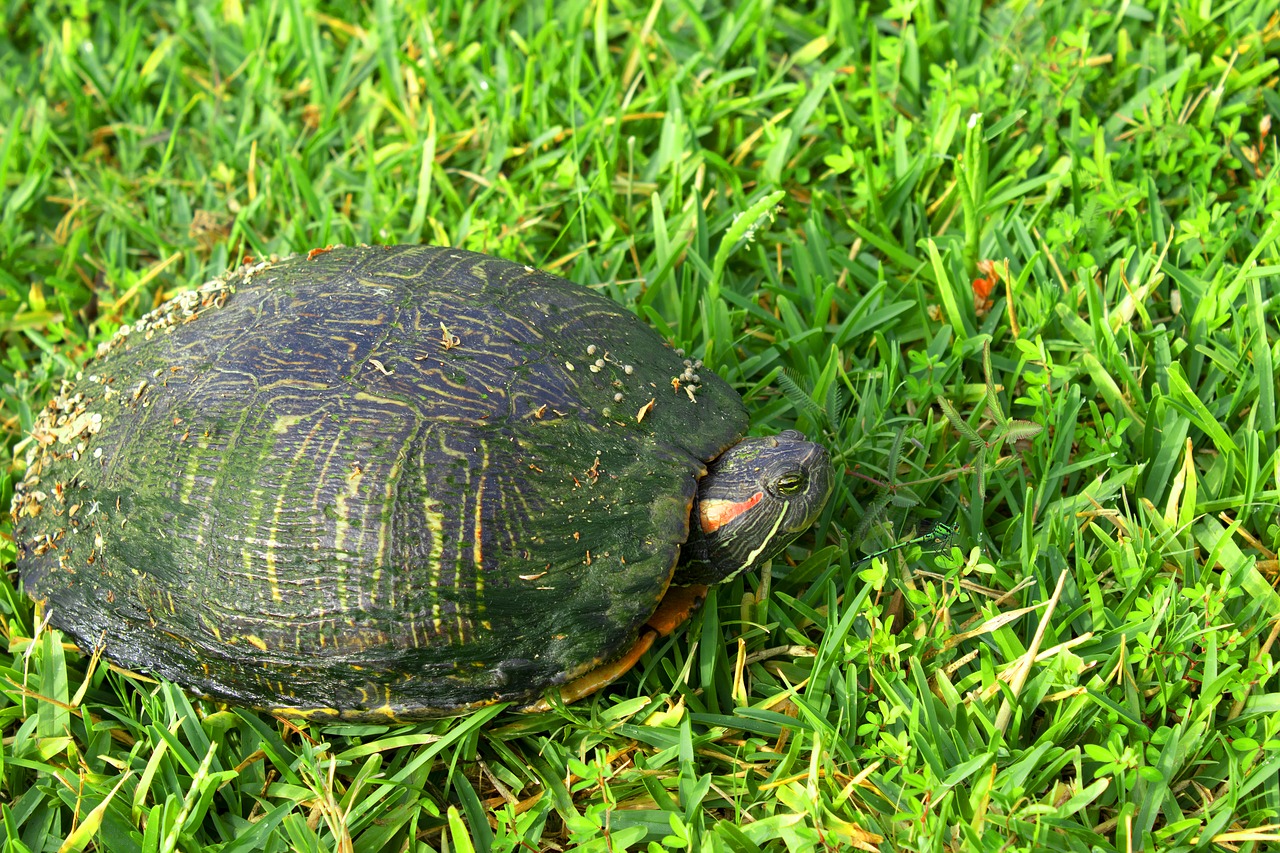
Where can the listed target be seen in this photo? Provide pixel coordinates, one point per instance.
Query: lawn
(1015, 264)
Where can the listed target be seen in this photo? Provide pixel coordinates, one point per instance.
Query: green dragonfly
(933, 536)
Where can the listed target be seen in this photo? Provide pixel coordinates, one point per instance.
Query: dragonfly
(934, 536)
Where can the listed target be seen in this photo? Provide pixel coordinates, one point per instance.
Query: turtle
(393, 483)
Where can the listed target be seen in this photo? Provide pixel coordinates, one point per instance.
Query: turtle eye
(791, 483)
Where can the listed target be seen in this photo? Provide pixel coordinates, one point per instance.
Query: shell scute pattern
(369, 477)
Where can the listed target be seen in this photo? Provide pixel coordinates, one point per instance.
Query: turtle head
(755, 498)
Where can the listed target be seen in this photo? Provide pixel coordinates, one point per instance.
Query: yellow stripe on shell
(340, 528)
(435, 522)
(384, 529)
(273, 531)
(477, 550)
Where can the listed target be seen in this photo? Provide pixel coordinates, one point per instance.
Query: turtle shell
(375, 482)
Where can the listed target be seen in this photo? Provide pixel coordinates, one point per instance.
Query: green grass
(801, 195)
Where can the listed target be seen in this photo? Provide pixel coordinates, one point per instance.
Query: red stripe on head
(716, 514)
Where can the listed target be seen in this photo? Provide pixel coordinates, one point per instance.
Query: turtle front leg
(676, 606)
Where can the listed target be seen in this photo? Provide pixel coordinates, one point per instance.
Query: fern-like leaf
(799, 397)
(961, 425)
(1017, 430)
